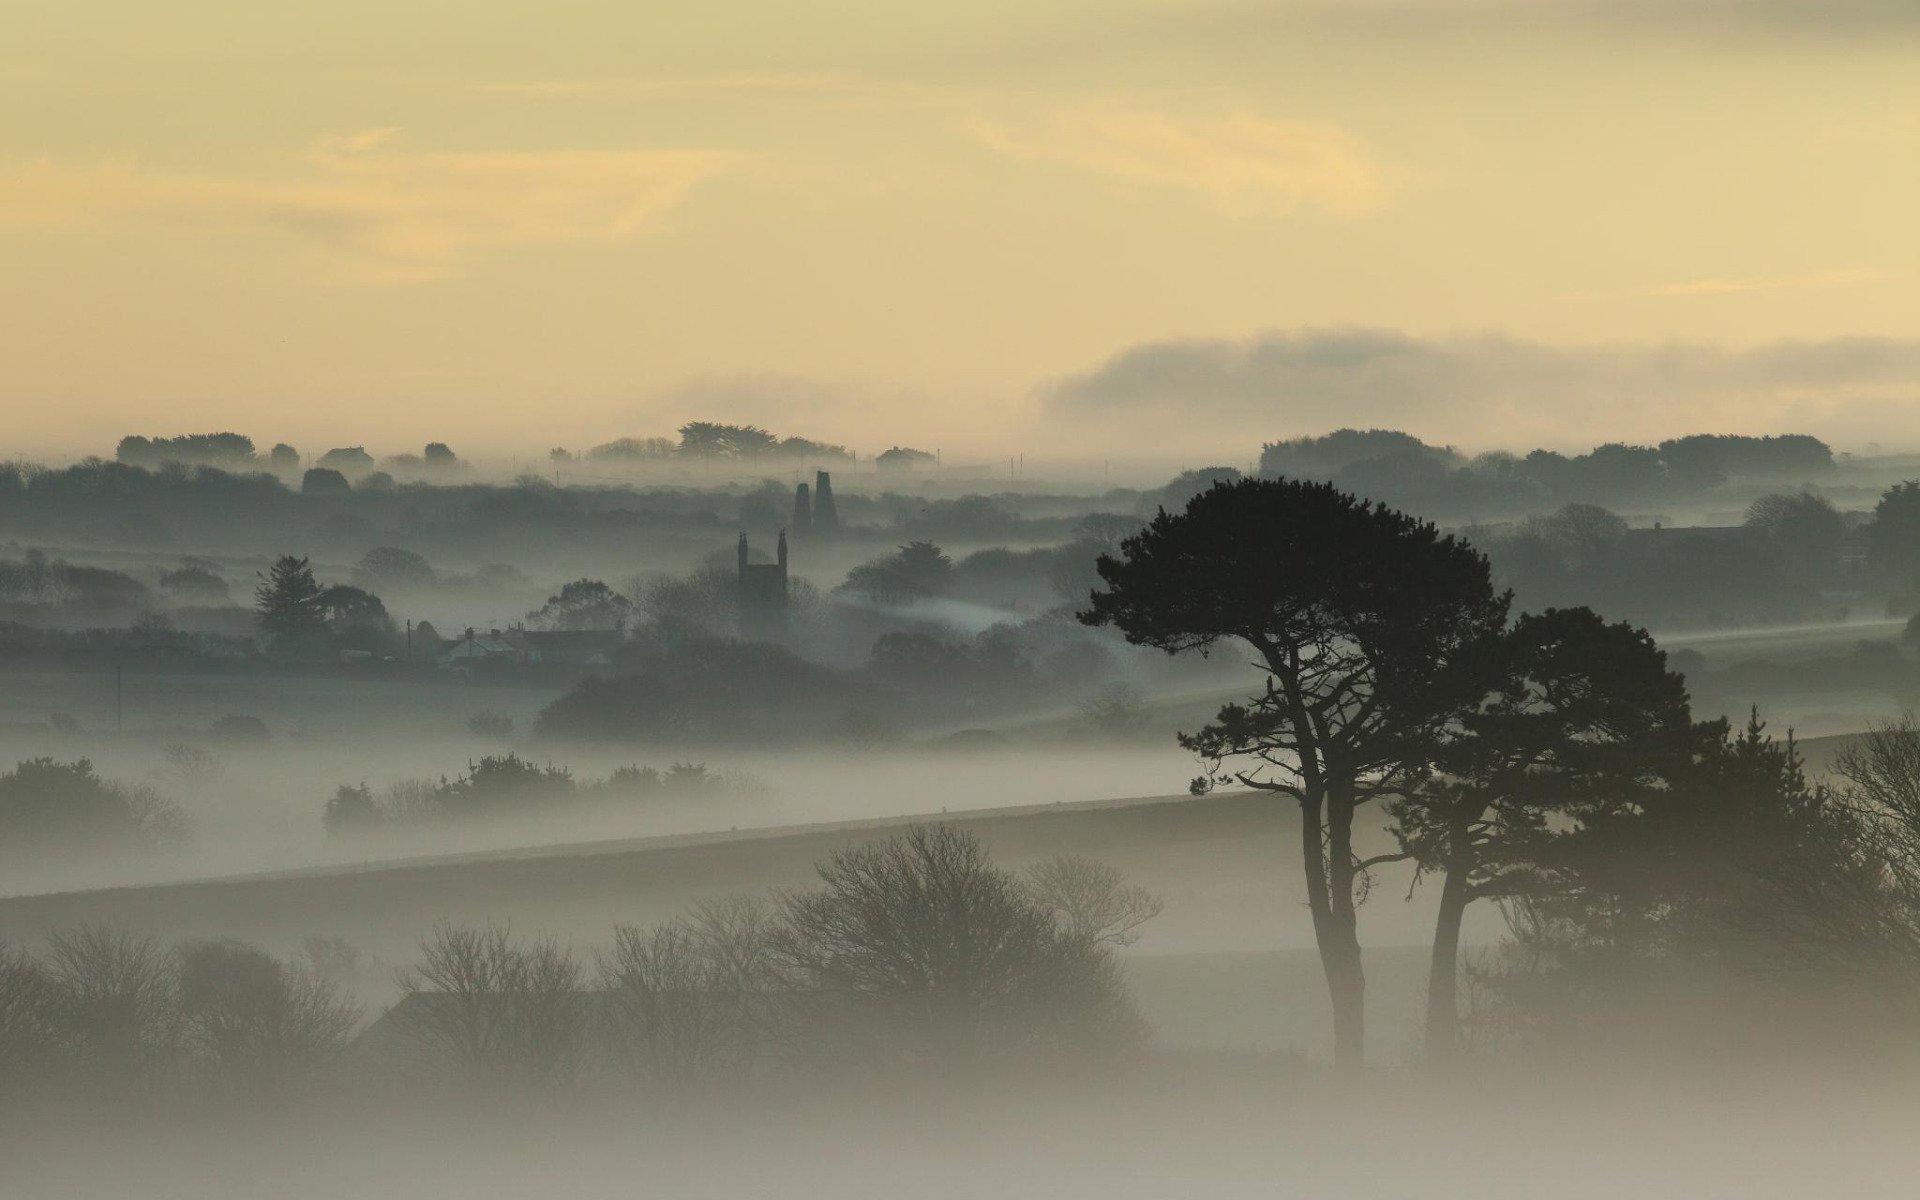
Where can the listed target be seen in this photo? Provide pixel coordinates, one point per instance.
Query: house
(475, 650)
(904, 458)
(567, 647)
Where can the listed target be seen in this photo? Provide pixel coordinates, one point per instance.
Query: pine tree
(289, 600)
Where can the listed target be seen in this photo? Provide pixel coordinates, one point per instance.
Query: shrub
(696, 998)
(488, 1011)
(254, 1023)
(116, 1004)
(352, 810)
(918, 950)
(48, 805)
(501, 781)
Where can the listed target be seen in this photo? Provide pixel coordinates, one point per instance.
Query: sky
(1147, 228)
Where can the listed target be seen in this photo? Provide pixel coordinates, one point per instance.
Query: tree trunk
(1443, 975)
(1327, 854)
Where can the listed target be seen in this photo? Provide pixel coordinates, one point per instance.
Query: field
(1229, 963)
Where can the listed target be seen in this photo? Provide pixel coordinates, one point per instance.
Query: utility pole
(119, 708)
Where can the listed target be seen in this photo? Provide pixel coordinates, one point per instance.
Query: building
(826, 517)
(813, 509)
(802, 513)
(762, 592)
(903, 458)
(568, 647)
(475, 650)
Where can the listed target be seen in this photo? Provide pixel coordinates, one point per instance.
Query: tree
(117, 1003)
(504, 781)
(1360, 618)
(1580, 712)
(290, 603)
(51, 806)
(1740, 882)
(917, 571)
(696, 997)
(351, 810)
(1092, 899)
(920, 950)
(709, 439)
(1802, 528)
(356, 617)
(583, 604)
(324, 481)
(197, 581)
(258, 1024)
(1188, 484)
(1893, 537)
(494, 1012)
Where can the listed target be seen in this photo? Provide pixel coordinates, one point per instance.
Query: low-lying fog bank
(260, 808)
(1246, 1130)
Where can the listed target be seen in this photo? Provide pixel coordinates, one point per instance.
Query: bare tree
(490, 1010)
(33, 1037)
(257, 1024)
(696, 998)
(1092, 900)
(117, 1002)
(918, 950)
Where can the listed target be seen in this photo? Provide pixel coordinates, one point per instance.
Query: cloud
(385, 215)
(1242, 162)
(1243, 19)
(867, 414)
(780, 84)
(1819, 281)
(1487, 389)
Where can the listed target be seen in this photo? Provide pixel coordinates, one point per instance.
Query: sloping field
(1228, 964)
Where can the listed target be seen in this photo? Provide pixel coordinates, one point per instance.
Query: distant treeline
(236, 451)
(257, 512)
(1400, 469)
(508, 785)
(709, 440)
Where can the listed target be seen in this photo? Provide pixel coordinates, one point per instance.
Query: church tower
(826, 518)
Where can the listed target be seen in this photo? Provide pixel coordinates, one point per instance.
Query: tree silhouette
(1359, 618)
(1580, 712)
(1894, 536)
(917, 571)
(289, 601)
(583, 604)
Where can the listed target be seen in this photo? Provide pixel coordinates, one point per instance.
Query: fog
(1367, 819)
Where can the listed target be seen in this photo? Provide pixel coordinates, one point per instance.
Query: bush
(918, 951)
(33, 1036)
(53, 806)
(352, 810)
(116, 1005)
(501, 781)
(490, 1012)
(694, 999)
(255, 1024)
